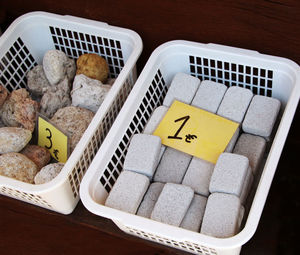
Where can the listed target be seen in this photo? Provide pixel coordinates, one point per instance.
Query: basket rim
(93, 173)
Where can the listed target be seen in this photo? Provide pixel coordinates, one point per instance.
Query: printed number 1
(185, 119)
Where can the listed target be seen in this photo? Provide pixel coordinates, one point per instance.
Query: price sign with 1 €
(195, 131)
(52, 139)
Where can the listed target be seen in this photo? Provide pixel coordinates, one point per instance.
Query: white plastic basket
(23, 46)
(264, 75)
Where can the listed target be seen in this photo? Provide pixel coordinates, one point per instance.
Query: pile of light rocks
(170, 186)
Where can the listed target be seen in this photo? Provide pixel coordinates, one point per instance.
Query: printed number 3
(49, 138)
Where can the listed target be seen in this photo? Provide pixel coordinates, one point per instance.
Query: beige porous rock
(18, 166)
(48, 173)
(57, 66)
(73, 121)
(3, 94)
(93, 66)
(13, 139)
(88, 93)
(37, 81)
(56, 97)
(38, 154)
(19, 110)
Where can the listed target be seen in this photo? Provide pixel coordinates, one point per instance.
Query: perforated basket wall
(23, 46)
(264, 75)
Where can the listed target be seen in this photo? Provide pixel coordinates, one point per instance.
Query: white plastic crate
(263, 74)
(23, 46)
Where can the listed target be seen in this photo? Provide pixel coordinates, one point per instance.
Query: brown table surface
(270, 27)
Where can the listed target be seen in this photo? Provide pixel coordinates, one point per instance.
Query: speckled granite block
(155, 119)
(209, 96)
(183, 88)
(261, 116)
(150, 198)
(172, 204)
(247, 186)
(128, 192)
(172, 166)
(222, 215)
(229, 174)
(193, 217)
(198, 175)
(233, 140)
(143, 154)
(253, 147)
(235, 103)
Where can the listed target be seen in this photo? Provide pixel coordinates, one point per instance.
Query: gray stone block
(128, 192)
(193, 217)
(229, 174)
(261, 116)
(172, 204)
(143, 154)
(209, 95)
(172, 166)
(155, 119)
(222, 215)
(233, 140)
(150, 198)
(182, 88)
(253, 147)
(235, 103)
(246, 186)
(198, 175)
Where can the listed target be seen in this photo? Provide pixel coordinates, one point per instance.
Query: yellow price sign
(52, 139)
(195, 131)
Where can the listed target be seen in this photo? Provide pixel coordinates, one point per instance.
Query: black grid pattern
(31, 198)
(14, 65)
(186, 246)
(152, 99)
(74, 44)
(259, 80)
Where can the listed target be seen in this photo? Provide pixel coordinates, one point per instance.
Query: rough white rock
(88, 93)
(56, 97)
(13, 139)
(37, 82)
(57, 66)
(17, 166)
(48, 172)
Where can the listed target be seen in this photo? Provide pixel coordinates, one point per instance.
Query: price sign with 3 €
(52, 139)
(195, 131)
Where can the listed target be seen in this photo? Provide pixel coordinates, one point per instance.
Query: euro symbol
(190, 137)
